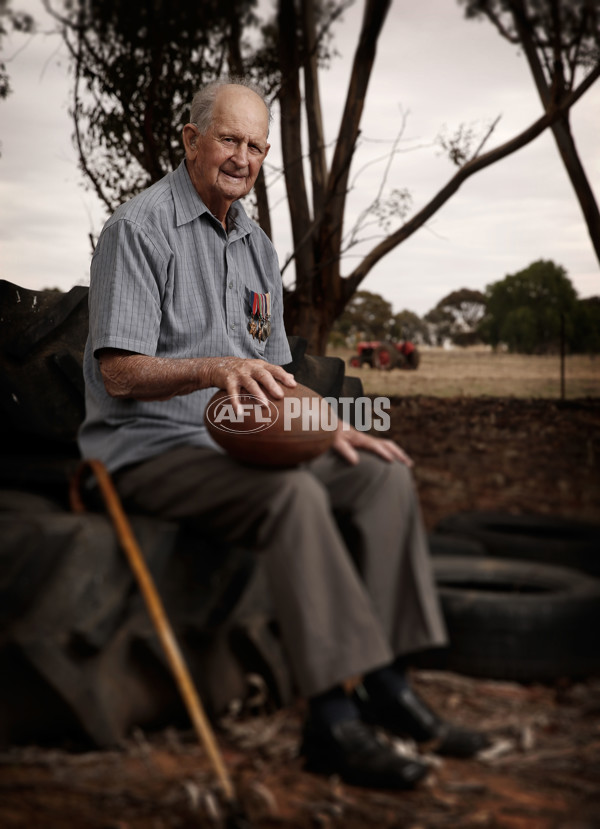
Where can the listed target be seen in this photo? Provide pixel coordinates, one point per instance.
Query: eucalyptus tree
(136, 67)
(526, 310)
(322, 290)
(561, 41)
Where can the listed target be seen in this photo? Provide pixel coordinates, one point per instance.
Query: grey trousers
(345, 550)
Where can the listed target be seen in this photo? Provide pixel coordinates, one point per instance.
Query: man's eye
(254, 149)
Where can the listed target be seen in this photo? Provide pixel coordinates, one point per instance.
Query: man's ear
(190, 140)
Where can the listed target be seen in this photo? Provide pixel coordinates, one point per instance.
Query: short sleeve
(128, 275)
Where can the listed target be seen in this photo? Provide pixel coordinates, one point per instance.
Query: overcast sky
(433, 68)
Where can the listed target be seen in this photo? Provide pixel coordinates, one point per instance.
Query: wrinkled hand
(236, 375)
(347, 440)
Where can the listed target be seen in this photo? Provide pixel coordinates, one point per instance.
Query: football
(286, 432)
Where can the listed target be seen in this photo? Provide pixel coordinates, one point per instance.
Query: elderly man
(174, 281)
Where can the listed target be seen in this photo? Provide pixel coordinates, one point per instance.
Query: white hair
(203, 103)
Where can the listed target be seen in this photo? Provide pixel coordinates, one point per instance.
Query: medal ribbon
(259, 324)
(261, 305)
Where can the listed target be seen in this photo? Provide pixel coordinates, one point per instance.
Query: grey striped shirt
(168, 281)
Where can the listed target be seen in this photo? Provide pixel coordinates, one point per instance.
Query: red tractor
(386, 355)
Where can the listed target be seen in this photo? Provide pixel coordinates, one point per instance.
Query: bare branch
(373, 20)
(313, 107)
(291, 141)
(352, 282)
(374, 208)
(486, 137)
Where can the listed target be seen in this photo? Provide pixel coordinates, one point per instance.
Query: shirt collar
(238, 222)
(189, 205)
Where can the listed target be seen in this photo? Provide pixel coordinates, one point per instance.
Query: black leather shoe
(407, 715)
(354, 750)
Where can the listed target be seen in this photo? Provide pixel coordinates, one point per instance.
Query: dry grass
(477, 371)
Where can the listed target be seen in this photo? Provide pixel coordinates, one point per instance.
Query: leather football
(286, 432)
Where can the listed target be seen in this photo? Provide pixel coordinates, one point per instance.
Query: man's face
(224, 163)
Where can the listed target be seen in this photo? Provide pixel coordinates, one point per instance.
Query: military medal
(259, 324)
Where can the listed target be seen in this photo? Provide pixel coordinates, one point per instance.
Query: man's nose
(240, 155)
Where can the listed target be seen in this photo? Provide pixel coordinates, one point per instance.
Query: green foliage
(409, 326)
(140, 64)
(566, 34)
(527, 309)
(440, 325)
(459, 314)
(585, 337)
(367, 316)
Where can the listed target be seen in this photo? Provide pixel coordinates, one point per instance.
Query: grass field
(477, 371)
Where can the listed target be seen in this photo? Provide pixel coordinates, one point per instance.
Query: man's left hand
(347, 440)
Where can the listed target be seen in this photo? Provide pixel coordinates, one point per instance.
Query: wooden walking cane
(157, 613)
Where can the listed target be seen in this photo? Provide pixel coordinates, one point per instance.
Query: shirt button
(233, 326)
(231, 284)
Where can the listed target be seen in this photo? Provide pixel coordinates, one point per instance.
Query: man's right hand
(130, 376)
(237, 374)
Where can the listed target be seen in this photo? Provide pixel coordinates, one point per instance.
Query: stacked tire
(520, 595)
(79, 658)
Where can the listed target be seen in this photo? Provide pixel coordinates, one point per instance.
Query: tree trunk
(290, 101)
(330, 237)
(550, 95)
(585, 195)
(319, 296)
(311, 320)
(318, 163)
(262, 204)
(321, 293)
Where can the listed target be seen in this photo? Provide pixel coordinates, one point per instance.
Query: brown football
(297, 428)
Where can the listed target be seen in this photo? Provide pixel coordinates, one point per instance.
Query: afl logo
(252, 415)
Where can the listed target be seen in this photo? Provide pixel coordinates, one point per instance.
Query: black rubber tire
(545, 538)
(385, 357)
(351, 387)
(73, 623)
(298, 347)
(454, 545)
(29, 553)
(18, 501)
(42, 339)
(325, 375)
(516, 620)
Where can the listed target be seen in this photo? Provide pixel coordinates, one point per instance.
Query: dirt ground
(543, 770)
(512, 454)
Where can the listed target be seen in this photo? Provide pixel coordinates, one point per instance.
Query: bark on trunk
(262, 204)
(291, 147)
(577, 175)
(550, 95)
(313, 322)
